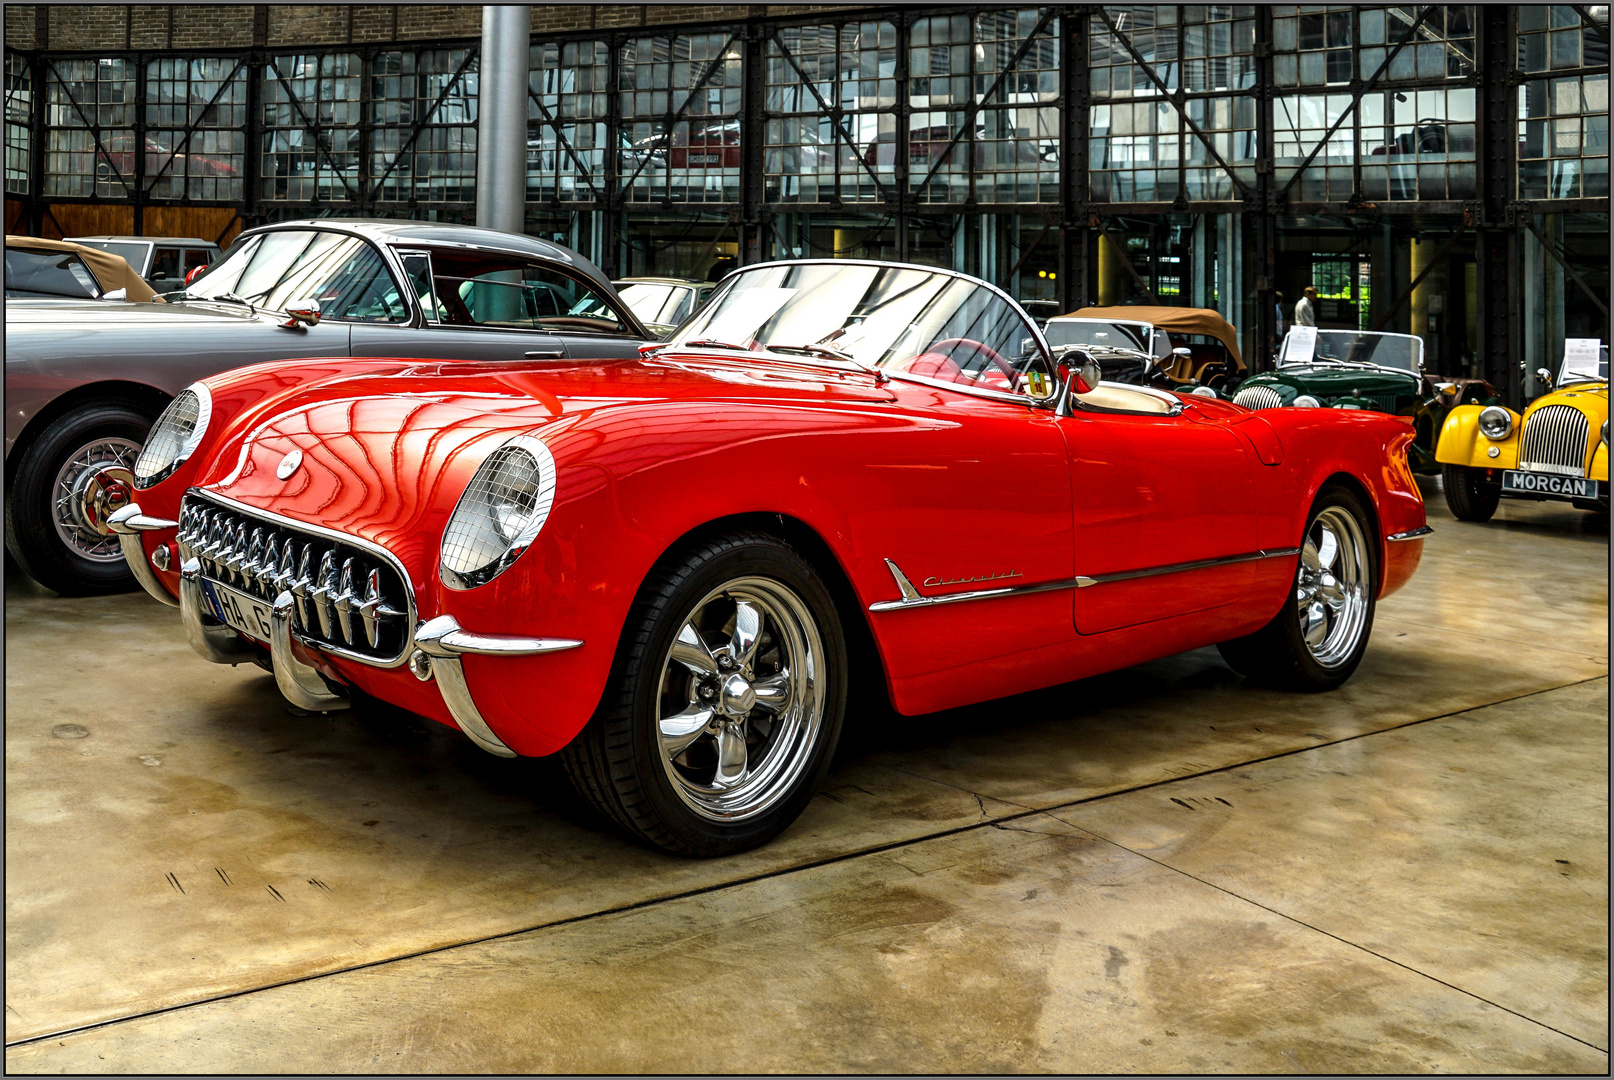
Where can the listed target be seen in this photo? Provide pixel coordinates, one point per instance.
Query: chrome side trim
(301, 683)
(215, 642)
(911, 597)
(129, 523)
(1083, 581)
(323, 603)
(1411, 534)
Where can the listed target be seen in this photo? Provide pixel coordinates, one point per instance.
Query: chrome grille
(349, 597)
(1555, 440)
(1258, 397)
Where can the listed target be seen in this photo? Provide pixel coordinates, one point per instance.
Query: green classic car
(1359, 369)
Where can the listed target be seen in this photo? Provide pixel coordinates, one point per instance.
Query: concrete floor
(1158, 870)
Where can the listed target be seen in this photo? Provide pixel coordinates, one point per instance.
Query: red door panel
(1152, 492)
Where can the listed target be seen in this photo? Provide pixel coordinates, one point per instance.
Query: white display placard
(1300, 345)
(1581, 356)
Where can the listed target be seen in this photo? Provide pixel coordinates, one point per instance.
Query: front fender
(1599, 470)
(1462, 444)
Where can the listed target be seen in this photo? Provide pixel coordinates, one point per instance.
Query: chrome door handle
(545, 354)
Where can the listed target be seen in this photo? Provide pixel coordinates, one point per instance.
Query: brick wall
(148, 26)
(92, 26)
(202, 26)
(19, 26)
(417, 22)
(303, 24)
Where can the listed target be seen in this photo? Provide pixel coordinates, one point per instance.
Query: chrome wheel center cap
(103, 493)
(738, 699)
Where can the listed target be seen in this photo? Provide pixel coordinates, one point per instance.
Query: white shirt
(1303, 313)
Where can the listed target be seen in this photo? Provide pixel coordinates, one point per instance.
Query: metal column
(501, 137)
(1497, 247)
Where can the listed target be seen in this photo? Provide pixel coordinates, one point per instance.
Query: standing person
(1279, 295)
(1305, 311)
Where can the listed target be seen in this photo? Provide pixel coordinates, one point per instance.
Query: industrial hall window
(196, 114)
(311, 127)
(1563, 102)
(567, 104)
(680, 106)
(831, 113)
(423, 144)
(1171, 114)
(983, 90)
(19, 137)
(90, 140)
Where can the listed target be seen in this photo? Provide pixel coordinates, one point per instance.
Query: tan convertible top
(112, 271)
(1180, 320)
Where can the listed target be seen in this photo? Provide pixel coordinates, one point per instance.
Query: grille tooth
(272, 556)
(1258, 397)
(1556, 436)
(344, 602)
(322, 595)
(305, 578)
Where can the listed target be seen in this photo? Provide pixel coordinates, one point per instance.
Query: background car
(662, 303)
(841, 478)
(56, 269)
(1149, 340)
(1556, 449)
(164, 261)
(84, 382)
(1360, 369)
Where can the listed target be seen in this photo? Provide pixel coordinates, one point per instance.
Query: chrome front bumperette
(444, 641)
(1411, 534)
(301, 683)
(209, 637)
(129, 523)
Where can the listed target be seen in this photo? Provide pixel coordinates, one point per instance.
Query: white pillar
(501, 140)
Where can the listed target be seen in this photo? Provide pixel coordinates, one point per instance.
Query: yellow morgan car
(1558, 449)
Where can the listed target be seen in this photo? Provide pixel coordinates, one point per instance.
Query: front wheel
(1319, 635)
(1469, 495)
(68, 481)
(726, 700)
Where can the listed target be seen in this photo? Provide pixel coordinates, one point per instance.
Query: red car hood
(388, 446)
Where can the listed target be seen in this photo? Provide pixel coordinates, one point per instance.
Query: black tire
(1278, 654)
(618, 762)
(1468, 494)
(31, 534)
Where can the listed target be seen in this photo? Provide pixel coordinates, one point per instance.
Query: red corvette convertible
(674, 570)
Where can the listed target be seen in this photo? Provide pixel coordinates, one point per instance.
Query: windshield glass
(1401, 351)
(133, 253)
(48, 273)
(901, 319)
(277, 268)
(1097, 332)
(652, 302)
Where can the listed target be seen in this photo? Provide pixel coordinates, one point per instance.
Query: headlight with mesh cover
(500, 513)
(175, 436)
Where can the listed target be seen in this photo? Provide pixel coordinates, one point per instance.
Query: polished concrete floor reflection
(1158, 870)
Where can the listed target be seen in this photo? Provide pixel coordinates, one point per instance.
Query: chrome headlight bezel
(470, 527)
(1605, 432)
(1305, 401)
(1495, 423)
(188, 440)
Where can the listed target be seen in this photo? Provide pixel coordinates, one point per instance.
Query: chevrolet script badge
(289, 463)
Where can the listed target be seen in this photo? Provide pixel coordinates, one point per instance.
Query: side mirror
(116, 294)
(1085, 379)
(1182, 351)
(1544, 375)
(304, 312)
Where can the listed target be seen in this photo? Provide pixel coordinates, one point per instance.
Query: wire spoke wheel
(739, 713)
(1331, 586)
(95, 481)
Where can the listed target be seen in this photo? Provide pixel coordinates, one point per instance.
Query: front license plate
(1563, 487)
(706, 159)
(238, 610)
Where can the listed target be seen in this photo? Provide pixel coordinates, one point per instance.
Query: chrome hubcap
(738, 714)
(95, 482)
(1331, 587)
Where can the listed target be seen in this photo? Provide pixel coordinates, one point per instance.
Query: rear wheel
(1469, 495)
(725, 704)
(1317, 639)
(69, 480)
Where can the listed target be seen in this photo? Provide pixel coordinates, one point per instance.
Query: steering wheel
(947, 347)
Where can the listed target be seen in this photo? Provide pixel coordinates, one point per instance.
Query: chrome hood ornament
(289, 464)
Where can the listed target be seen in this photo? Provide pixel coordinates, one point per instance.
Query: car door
(1165, 515)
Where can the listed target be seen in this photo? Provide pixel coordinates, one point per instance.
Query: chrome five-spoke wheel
(727, 697)
(739, 711)
(1331, 586)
